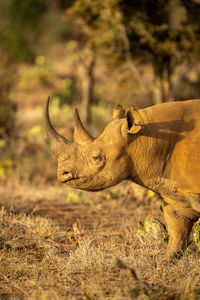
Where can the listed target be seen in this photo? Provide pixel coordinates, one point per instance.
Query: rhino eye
(97, 158)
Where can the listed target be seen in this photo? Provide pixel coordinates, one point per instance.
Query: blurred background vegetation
(91, 54)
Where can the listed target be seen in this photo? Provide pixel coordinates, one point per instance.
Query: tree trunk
(170, 94)
(166, 85)
(157, 91)
(163, 74)
(88, 90)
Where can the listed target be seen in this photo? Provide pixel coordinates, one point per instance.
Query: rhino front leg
(179, 225)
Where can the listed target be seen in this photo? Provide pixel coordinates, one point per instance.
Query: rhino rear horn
(81, 136)
(57, 142)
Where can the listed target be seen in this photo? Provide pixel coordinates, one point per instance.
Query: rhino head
(94, 164)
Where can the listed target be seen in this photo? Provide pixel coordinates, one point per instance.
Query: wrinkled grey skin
(157, 147)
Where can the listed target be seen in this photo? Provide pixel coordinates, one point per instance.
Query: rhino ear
(81, 136)
(118, 112)
(133, 120)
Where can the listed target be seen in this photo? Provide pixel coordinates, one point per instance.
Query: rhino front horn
(57, 142)
(81, 136)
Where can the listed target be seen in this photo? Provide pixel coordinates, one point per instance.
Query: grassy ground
(57, 243)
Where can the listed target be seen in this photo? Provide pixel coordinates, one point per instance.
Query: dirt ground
(58, 243)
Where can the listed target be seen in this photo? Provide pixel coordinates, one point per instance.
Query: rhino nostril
(65, 176)
(64, 173)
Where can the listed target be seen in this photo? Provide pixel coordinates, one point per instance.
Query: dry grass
(92, 246)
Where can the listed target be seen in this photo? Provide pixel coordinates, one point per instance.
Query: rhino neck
(151, 150)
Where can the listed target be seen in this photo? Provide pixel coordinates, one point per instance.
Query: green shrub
(196, 234)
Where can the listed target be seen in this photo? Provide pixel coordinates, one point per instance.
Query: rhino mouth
(81, 182)
(68, 176)
(72, 179)
(84, 182)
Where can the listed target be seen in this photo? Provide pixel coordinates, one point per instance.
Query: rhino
(157, 147)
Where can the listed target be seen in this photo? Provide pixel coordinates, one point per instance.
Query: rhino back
(177, 125)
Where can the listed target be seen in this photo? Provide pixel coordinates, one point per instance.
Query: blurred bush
(196, 233)
(7, 117)
(19, 26)
(38, 73)
(160, 33)
(68, 93)
(7, 106)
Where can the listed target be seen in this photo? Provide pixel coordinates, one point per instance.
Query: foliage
(67, 93)
(100, 22)
(34, 131)
(5, 167)
(61, 111)
(147, 228)
(73, 197)
(61, 28)
(111, 195)
(20, 23)
(41, 72)
(101, 115)
(162, 33)
(7, 116)
(196, 234)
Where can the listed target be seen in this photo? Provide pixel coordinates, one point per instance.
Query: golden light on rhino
(157, 147)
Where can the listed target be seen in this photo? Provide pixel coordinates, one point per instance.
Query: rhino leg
(179, 225)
